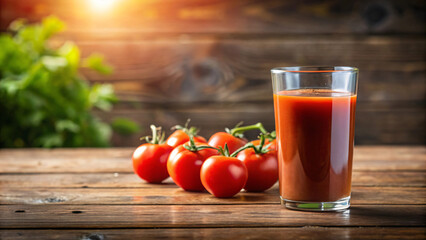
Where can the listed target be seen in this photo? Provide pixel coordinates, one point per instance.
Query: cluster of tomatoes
(223, 165)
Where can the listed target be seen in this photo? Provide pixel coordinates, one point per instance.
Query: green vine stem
(261, 148)
(238, 131)
(158, 136)
(222, 151)
(194, 148)
(225, 151)
(271, 136)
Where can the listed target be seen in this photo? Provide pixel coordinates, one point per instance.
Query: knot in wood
(93, 236)
(376, 13)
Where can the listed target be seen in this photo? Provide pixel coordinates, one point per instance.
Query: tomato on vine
(184, 164)
(150, 159)
(233, 138)
(181, 135)
(262, 166)
(224, 176)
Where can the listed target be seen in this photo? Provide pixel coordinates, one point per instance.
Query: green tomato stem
(186, 129)
(260, 149)
(194, 148)
(154, 134)
(239, 130)
(158, 137)
(224, 151)
(271, 136)
(191, 147)
(248, 145)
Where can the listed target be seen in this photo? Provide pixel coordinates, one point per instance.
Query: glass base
(339, 205)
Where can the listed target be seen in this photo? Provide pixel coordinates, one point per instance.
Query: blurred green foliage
(44, 102)
(124, 126)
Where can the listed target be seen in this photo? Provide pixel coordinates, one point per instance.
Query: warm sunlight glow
(101, 5)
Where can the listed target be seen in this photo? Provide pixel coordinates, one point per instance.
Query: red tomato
(184, 166)
(262, 169)
(223, 176)
(272, 147)
(220, 138)
(179, 137)
(150, 162)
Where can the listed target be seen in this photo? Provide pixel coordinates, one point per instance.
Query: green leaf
(54, 63)
(100, 133)
(68, 125)
(102, 96)
(96, 62)
(125, 126)
(105, 131)
(52, 25)
(34, 118)
(13, 57)
(71, 53)
(10, 86)
(50, 140)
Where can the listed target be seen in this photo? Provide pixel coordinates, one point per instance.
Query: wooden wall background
(209, 60)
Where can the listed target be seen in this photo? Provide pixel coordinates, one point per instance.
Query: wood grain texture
(361, 153)
(179, 216)
(131, 180)
(387, 203)
(165, 81)
(175, 196)
(215, 69)
(313, 233)
(409, 158)
(374, 124)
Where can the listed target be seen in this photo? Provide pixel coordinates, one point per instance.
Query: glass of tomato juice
(314, 119)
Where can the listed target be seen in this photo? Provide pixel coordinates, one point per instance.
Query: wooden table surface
(93, 194)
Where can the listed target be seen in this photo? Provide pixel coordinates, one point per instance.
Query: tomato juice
(315, 133)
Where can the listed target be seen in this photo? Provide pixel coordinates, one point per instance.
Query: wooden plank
(390, 126)
(80, 180)
(386, 153)
(195, 216)
(237, 70)
(220, 233)
(119, 160)
(130, 180)
(29, 154)
(243, 16)
(81, 165)
(175, 195)
(389, 178)
(374, 125)
(361, 153)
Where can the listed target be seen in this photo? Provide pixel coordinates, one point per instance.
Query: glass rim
(315, 69)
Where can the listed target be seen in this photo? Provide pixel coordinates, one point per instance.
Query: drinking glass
(314, 119)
